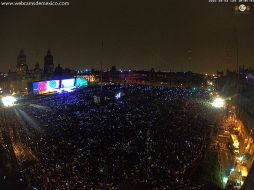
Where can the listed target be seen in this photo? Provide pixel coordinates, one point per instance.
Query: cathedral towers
(21, 68)
(48, 64)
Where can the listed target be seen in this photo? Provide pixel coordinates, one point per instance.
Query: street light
(8, 101)
(218, 103)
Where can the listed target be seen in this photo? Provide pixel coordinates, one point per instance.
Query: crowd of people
(147, 138)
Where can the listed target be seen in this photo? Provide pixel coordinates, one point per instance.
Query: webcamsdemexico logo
(242, 8)
(34, 3)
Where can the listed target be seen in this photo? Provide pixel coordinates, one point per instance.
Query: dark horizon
(136, 35)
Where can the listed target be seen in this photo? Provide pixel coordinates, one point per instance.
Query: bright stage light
(218, 103)
(8, 101)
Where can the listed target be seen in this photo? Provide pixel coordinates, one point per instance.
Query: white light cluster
(218, 103)
(8, 101)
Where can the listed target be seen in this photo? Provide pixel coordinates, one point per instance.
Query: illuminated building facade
(21, 68)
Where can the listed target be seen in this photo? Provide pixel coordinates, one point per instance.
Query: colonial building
(21, 68)
(37, 72)
(21, 79)
(48, 65)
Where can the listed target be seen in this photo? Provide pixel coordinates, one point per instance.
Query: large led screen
(45, 86)
(81, 82)
(68, 83)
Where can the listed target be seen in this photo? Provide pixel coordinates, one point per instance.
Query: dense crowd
(149, 138)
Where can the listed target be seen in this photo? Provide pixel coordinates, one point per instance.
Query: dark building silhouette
(48, 64)
(22, 68)
(58, 71)
(37, 72)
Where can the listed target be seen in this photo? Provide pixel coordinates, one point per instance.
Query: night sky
(137, 34)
